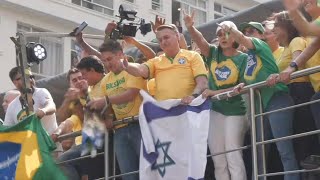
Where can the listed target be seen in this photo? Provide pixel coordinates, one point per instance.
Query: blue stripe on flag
(190, 178)
(152, 111)
(151, 157)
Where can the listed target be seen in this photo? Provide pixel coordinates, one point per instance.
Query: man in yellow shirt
(122, 92)
(178, 73)
(92, 71)
(73, 103)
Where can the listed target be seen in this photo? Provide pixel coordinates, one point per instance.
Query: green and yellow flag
(25, 152)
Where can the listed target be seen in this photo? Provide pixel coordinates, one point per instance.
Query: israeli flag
(174, 139)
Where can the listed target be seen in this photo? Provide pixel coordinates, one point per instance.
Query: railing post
(114, 162)
(263, 147)
(106, 155)
(253, 135)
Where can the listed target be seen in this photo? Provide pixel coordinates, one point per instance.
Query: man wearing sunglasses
(43, 106)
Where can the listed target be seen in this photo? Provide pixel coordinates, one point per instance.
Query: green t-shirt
(226, 72)
(260, 65)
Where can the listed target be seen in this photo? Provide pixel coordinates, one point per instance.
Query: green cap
(255, 25)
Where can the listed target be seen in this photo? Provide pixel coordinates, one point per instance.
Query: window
(217, 7)
(103, 6)
(156, 5)
(220, 11)
(199, 6)
(53, 65)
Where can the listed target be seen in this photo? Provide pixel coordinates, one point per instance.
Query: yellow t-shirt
(277, 53)
(296, 44)
(152, 87)
(96, 91)
(77, 126)
(312, 62)
(175, 78)
(115, 84)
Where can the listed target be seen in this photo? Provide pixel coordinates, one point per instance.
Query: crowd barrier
(250, 89)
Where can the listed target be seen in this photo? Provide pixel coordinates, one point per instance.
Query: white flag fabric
(174, 139)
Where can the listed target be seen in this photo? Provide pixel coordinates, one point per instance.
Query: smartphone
(81, 27)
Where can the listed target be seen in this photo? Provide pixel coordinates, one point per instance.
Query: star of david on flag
(165, 161)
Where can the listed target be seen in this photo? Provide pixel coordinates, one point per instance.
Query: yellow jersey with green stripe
(116, 84)
(175, 77)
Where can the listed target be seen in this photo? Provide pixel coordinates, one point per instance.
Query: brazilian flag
(25, 152)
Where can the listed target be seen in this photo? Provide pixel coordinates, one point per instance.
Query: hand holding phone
(79, 29)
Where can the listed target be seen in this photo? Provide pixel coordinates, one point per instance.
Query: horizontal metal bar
(229, 151)
(261, 84)
(59, 35)
(124, 174)
(79, 158)
(120, 175)
(287, 108)
(289, 137)
(115, 123)
(69, 135)
(289, 172)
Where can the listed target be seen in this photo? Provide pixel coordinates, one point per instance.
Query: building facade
(63, 16)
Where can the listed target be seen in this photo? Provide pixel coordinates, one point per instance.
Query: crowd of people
(107, 82)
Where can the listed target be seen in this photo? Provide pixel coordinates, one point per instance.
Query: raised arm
(196, 35)
(182, 42)
(146, 50)
(299, 21)
(86, 47)
(239, 37)
(304, 27)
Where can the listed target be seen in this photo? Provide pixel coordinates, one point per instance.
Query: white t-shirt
(15, 113)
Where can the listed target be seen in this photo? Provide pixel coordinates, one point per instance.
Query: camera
(129, 29)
